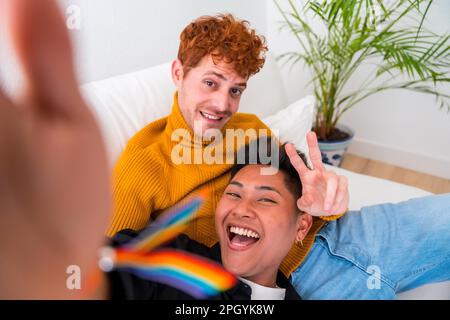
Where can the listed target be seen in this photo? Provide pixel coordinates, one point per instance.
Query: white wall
(118, 36)
(398, 127)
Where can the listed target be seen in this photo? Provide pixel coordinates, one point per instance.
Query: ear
(177, 72)
(304, 223)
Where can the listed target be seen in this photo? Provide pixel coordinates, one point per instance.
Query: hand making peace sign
(324, 192)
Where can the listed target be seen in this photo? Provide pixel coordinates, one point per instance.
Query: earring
(299, 241)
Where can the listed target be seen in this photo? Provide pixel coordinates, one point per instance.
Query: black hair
(268, 151)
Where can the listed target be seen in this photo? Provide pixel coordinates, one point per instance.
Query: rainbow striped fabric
(195, 275)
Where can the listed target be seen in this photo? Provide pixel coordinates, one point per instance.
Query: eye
(209, 83)
(236, 92)
(233, 195)
(267, 200)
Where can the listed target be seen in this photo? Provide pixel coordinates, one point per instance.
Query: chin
(236, 268)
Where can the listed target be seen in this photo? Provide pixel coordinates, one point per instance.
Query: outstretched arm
(54, 179)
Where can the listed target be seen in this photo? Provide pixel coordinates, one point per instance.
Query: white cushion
(125, 104)
(265, 93)
(366, 191)
(293, 122)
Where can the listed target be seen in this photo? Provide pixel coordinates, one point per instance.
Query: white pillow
(265, 92)
(293, 122)
(125, 104)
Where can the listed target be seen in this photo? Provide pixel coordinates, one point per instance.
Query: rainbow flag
(195, 275)
(167, 226)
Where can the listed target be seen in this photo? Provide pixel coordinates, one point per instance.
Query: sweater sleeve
(333, 217)
(136, 183)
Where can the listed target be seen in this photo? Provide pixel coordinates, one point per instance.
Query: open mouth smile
(210, 117)
(241, 238)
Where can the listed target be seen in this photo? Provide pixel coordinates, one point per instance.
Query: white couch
(126, 103)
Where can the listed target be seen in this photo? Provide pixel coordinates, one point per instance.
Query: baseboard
(425, 163)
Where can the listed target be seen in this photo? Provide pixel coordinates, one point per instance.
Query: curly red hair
(226, 39)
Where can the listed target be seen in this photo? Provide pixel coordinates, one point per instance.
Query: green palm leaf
(366, 32)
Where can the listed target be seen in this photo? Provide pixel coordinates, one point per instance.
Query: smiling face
(209, 94)
(257, 222)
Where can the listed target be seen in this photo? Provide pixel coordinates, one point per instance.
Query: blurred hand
(324, 192)
(54, 177)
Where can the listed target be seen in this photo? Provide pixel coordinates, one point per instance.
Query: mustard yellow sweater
(146, 181)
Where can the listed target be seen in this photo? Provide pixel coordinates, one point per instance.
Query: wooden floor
(390, 172)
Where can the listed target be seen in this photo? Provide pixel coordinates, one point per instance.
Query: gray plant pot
(333, 152)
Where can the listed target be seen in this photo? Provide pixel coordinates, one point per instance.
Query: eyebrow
(221, 76)
(238, 184)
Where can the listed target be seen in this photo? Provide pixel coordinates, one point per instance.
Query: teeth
(209, 116)
(244, 232)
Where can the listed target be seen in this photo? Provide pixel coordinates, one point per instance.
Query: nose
(221, 102)
(244, 209)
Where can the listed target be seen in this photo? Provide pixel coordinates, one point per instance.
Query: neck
(267, 280)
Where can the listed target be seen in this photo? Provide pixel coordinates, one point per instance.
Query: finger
(43, 47)
(332, 184)
(305, 202)
(10, 139)
(4, 100)
(314, 151)
(341, 195)
(7, 112)
(295, 159)
(340, 207)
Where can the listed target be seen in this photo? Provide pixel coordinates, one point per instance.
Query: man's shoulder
(283, 282)
(145, 148)
(151, 134)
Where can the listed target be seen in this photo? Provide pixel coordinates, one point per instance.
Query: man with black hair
(257, 221)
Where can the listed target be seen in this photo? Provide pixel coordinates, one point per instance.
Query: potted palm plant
(346, 35)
